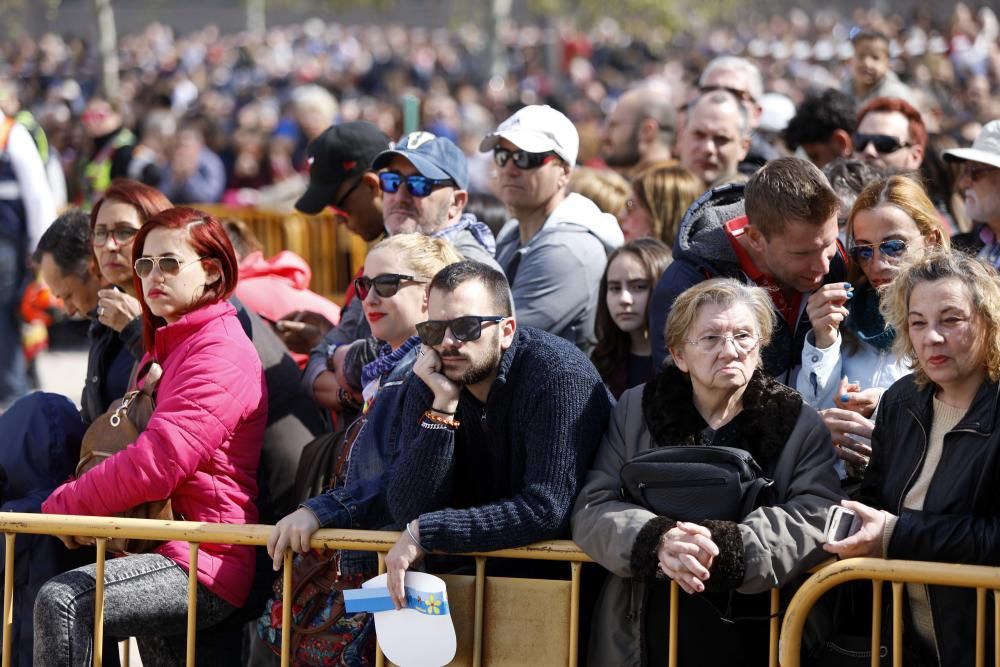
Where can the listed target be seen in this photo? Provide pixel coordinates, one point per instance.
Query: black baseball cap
(342, 152)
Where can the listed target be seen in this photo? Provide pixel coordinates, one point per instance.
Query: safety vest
(13, 217)
(97, 173)
(25, 118)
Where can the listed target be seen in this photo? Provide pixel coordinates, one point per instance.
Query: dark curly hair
(818, 116)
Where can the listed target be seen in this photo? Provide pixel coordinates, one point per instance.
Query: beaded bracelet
(444, 421)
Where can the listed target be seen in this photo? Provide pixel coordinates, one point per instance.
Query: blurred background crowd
(247, 104)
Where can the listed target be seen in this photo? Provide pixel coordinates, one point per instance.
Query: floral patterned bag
(321, 633)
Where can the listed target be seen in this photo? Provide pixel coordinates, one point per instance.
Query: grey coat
(768, 548)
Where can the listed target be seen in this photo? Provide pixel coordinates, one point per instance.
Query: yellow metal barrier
(898, 572)
(332, 252)
(485, 648)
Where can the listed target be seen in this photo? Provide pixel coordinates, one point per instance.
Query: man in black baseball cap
(339, 176)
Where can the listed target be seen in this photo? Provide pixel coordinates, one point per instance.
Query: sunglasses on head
(168, 266)
(418, 185)
(121, 235)
(891, 249)
(884, 143)
(466, 328)
(522, 159)
(385, 284)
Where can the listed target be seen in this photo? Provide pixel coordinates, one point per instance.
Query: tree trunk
(256, 16)
(107, 39)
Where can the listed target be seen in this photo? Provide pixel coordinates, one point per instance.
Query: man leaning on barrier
(501, 423)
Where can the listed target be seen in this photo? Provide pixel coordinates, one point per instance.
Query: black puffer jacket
(960, 522)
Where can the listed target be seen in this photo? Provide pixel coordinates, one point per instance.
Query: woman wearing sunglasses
(847, 360)
(393, 291)
(201, 449)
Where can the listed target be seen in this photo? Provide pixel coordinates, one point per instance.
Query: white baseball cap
(985, 149)
(537, 129)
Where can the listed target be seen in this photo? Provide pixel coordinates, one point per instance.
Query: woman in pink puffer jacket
(201, 450)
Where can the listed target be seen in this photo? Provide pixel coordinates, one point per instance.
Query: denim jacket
(361, 502)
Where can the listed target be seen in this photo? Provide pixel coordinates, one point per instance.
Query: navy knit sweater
(509, 474)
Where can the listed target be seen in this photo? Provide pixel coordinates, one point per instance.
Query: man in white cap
(554, 250)
(980, 184)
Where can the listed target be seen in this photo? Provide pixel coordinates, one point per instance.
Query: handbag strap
(141, 371)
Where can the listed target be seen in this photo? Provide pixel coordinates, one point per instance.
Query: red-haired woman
(116, 333)
(201, 450)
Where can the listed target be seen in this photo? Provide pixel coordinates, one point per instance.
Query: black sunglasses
(522, 159)
(891, 249)
(466, 328)
(121, 235)
(418, 185)
(884, 143)
(385, 284)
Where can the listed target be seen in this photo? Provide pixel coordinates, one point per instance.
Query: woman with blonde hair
(393, 292)
(930, 491)
(661, 194)
(602, 186)
(847, 358)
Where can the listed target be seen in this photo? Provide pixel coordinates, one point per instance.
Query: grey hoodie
(555, 277)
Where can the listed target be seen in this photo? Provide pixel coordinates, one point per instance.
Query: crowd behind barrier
(461, 394)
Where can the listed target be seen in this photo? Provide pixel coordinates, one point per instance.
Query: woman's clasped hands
(686, 554)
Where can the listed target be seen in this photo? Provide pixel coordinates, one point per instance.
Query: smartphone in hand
(841, 523)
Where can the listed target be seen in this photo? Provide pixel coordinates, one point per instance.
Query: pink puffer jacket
(201, 448)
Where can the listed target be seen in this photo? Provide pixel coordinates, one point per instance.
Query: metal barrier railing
(332, 252)
(196, 533)
(898, 573)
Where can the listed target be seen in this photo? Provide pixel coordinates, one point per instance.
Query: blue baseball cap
(433, 156)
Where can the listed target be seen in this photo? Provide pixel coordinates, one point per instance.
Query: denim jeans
(13, 373)
(145, 596)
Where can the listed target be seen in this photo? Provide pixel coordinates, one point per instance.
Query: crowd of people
(587, 288)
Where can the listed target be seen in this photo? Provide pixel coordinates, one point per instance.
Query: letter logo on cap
(417, 139)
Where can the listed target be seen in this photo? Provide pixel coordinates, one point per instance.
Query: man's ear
(649, 130)
(843, 144)
(755, 239)
(459, 199)
(746, 147)
(370, 180)
(507, 330)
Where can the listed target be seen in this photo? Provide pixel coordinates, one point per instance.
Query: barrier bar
(996, 627)
(876, 623)
(672, 642)
(192, 620)
(8, 597)
(102, 551)
(879, 570)
(477, 628)
(897, 624)
(574, 612)
(286, 609)
(980, 627)
(379, 657)
(775, 628)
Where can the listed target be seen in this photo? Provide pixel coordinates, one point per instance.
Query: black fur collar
(770, 410)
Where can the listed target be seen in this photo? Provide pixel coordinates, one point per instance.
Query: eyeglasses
(522, 159)
(338, 206)
(743, 341)
(741, 95)
(884, 143)
(121, 235)
(418, 185)
(466, 328)
(168, 266)
(891, 249)
(385, 284)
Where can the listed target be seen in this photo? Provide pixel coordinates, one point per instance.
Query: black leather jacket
(960, 522)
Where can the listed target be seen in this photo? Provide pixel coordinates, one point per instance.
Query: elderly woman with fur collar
(712, 392)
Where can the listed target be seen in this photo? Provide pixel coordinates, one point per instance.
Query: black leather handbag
(696, 483)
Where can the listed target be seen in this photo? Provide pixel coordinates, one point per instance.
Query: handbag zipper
(708, 481)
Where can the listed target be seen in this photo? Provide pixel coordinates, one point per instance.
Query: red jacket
(201, 447)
